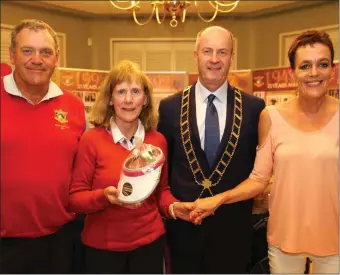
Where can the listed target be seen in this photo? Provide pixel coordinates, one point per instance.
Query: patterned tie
(212, 131)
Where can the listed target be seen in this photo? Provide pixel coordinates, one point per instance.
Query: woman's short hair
(102, 109)
(310, 37)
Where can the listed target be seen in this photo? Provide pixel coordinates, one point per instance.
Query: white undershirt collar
(118, 137)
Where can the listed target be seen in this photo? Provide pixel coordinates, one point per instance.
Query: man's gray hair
(36, 25)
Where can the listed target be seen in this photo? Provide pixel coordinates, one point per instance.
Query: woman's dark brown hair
(310, 37)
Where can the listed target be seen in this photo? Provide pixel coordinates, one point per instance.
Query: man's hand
(111, 194)
(182, 210)
(204, 208)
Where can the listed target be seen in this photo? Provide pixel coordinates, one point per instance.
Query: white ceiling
(105, 7)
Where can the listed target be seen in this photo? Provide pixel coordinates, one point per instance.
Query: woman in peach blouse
(299, 146)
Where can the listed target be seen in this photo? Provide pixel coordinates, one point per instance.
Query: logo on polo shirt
(60, 116)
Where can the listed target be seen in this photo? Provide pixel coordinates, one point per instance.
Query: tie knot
(211, 98)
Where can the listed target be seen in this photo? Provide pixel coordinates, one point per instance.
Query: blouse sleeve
(263, 167)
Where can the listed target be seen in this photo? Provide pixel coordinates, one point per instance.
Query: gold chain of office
(216, 175)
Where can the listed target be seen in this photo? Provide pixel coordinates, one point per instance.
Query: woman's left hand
(111, 194)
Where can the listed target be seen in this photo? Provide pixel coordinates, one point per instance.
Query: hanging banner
(241, 80)
(166, 83)
(80, 79)
(83, 83)
(192, 78)
(277, 79)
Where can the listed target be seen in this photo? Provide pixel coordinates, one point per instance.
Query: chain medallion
(208, 182)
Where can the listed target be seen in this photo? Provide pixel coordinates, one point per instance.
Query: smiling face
(313, 70)
(34, 57)
(128, 100)
(213, 57)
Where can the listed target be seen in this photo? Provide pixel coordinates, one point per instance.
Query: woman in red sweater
(121, 238)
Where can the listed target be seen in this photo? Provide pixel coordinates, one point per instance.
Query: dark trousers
(224, 261)
(47, 254)
(205, 249)
(142, 260)
(78, 262)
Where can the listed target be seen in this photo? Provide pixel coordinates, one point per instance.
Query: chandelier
(176, 9)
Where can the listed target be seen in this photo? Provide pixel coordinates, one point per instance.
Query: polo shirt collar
(12, 88)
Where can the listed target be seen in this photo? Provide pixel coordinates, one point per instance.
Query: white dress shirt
(118, 137)
(220, 102)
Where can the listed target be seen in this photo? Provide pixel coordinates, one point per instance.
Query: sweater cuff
(99, 198)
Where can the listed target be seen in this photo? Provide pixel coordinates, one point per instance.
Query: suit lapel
(228, 125)
(193, 119)
(195, 137)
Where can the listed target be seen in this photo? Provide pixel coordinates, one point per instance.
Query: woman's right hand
(111, 194)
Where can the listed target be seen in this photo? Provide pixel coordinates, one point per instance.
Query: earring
(110, 103)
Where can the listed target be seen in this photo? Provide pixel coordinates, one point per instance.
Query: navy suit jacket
(231, 223)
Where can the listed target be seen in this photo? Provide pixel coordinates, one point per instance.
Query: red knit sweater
(111, 227)
(37, 154)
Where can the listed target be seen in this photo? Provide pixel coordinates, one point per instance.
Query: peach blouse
(303, 203)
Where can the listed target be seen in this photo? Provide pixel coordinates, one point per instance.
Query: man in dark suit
(211, 148)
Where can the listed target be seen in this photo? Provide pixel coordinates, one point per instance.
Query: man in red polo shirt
(40, 129)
